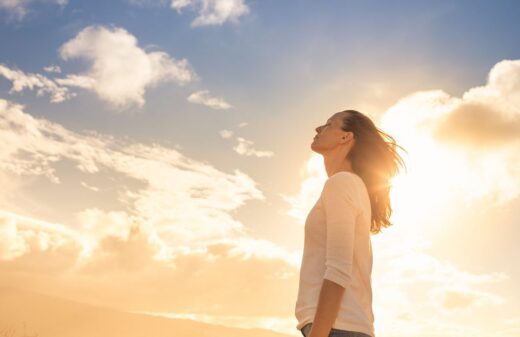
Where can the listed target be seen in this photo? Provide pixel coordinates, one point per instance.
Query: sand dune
(26, 313)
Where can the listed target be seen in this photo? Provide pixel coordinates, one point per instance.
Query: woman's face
(329, 135)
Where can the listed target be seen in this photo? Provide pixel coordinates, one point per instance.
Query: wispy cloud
(209, 12)
(226, 134)
(90, 187)
(42, 84)
(245, 148)
(162, 217)
(204, 97)
(18, 9)
(52, 69)
(167, 176)
(120, 71)
(213, 12)
(312, 176)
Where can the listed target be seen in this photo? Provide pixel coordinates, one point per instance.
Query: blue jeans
(334, 332)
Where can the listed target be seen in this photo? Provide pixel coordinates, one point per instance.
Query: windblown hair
(375, 159)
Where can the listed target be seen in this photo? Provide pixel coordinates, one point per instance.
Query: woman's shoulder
(342, 182)
(344, 177)
(347, 182)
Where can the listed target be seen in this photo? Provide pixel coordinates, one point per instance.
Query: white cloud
(18, 9)
(452, 298)
(312, 176)
(37, 246)
(204, 97)
(80, 81)
(470, 142)
(213, 12)
(245, 148)
(90, 187)
(210, 12)
(464, 163)
(42, 85)
(120, 71)
(226, 133)
(204, 194)
(175, 221)
(52, 69)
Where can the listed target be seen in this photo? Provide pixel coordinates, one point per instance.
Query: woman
(335, 290)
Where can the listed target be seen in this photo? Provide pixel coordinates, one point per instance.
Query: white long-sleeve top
(337, 247)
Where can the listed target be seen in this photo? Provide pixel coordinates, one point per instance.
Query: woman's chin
(314, 147)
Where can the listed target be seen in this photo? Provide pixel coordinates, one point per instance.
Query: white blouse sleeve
(340, 212)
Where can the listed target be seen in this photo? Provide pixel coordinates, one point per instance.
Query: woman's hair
(376, 161)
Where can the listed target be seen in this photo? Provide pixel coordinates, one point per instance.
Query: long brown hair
(375, 159)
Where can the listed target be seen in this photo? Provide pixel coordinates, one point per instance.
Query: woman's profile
(335, 288)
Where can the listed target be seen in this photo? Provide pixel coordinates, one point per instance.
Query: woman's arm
(340, 213)
(329, 303)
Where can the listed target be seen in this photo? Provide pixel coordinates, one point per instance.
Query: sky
(156, 154)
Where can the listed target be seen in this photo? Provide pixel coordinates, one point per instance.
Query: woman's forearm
(329, 303)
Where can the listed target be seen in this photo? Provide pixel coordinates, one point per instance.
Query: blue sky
(261, 77)
(278, 54)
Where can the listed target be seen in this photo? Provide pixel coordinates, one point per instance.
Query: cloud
(90, 187)
(451, 298)
(463, 166)
(469, 142)
(203, 193)
(52, 69)
(120, 71)
(203, 97)
(475, 124)
(213, 12)
(131, 250)
(163, 218)
(312, 176)
(226, 134)
(80, 81)
(486, 116)
(34, 246)
(43, 85)
(18, 9)
(245, 148)
(49, 257)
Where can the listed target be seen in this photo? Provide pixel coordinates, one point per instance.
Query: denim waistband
(306, 329)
